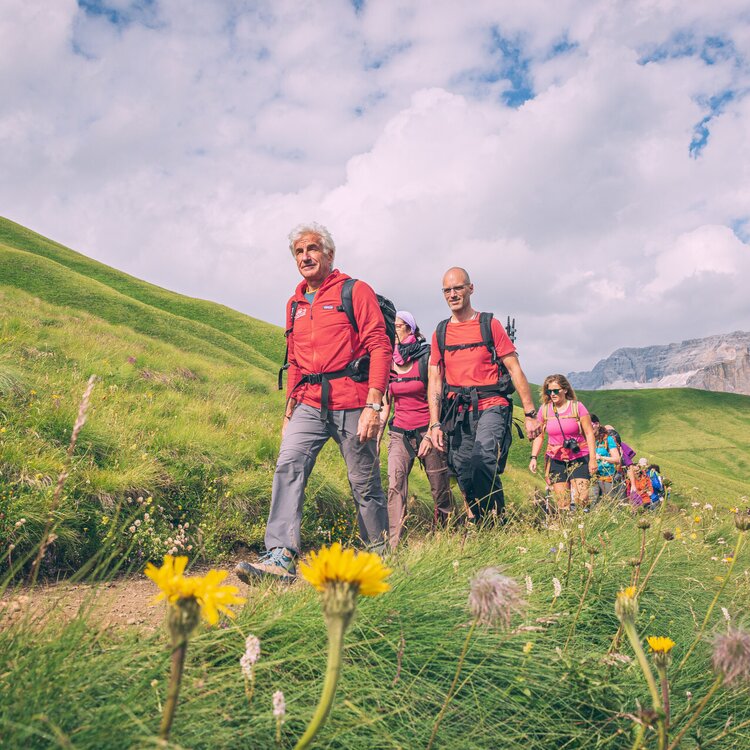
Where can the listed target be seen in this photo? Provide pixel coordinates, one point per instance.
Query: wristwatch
(375, 407)
(530, 414)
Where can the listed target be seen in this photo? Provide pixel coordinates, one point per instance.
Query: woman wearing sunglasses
(570, 460)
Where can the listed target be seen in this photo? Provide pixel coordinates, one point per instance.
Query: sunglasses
(554, 391)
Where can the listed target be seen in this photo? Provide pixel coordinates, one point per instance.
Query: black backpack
(504, 385)
(358, 369)
(423, 360)
(386, 307)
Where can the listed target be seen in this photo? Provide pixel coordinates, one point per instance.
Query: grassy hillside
(698, 438)
(186, 413)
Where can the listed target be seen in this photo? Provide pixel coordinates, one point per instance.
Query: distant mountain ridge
(716, 363)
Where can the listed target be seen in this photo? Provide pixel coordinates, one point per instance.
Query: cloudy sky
(588, 162)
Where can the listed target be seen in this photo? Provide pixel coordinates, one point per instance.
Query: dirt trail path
(125, 601)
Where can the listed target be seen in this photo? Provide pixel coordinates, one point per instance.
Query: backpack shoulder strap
(574, 413)
(424, 362)
(440, 336)
(347, 305)
(485, 326)
(287, 333)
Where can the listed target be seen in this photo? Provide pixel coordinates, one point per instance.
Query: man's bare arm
(434, 399)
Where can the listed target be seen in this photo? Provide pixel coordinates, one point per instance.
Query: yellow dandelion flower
(213, 597)
(693, 536)
(659, 644)
(527, 647)
(697, 519)
(170, 579)
(626, 603)
(363, 570)
(207, 591)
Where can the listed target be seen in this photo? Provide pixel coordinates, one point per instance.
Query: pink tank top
(411, 411)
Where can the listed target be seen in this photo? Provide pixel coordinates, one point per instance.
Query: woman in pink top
(409, 437)
(570, 460)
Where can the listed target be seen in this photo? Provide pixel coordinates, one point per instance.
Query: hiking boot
(278, 563)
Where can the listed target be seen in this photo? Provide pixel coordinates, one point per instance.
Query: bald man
(473, 371)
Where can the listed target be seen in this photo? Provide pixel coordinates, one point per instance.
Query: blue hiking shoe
(278, 563)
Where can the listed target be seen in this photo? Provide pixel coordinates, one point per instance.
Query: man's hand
(533, 428)
(368, 425)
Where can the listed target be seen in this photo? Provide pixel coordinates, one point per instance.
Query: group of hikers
(585, 459)
(354, 365)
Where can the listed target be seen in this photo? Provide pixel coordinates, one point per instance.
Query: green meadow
(177, 455)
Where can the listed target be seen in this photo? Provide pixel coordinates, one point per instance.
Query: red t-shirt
(411, 411)
(473, 366)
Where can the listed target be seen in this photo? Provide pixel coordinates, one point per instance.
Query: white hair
(326, 241)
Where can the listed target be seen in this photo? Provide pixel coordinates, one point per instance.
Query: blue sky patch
(141, 11)
(741, 229)
(507, 64)
(701, 132)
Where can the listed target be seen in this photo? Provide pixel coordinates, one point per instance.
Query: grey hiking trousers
(305, 436)
(478, 456)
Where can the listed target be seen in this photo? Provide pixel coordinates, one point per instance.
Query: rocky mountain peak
(715, 363)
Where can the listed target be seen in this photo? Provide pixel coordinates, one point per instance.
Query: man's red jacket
(323, 340)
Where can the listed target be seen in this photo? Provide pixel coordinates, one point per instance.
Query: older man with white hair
(339, 358)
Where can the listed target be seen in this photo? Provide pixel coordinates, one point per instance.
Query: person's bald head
(457, 275)
(457, 290)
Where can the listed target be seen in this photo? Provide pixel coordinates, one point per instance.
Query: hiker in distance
(334, 325)
(474, 369)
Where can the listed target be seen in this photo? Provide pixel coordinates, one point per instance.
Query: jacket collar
(334, 278)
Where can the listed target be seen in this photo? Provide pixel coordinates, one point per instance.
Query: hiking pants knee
(479, 456)
(305, 436)
(400, 464)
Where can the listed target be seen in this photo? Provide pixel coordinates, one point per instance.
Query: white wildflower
(146, 516)
(529, 585)
(725, 612)
(455, 565)
(708, 506)
(557, 586)
(279, 705)
(137, 521)
(132, 529)
(251, 655)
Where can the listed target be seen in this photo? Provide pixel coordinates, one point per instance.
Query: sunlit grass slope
(42, 275)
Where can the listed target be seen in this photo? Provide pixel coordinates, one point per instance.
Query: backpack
(359, 369)
(386, 307)
(423, 360)
(455, 410)
(656, 482)
(504, 385)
